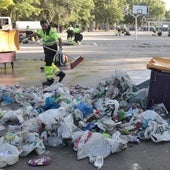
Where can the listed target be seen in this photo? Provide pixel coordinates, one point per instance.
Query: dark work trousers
(49, 54)
(76, 37)
(70, 34)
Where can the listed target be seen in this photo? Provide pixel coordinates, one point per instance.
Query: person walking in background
(70, 33)
(154, 31)
(118, 31)
(51, 40)
(76, 34)
(28, 33)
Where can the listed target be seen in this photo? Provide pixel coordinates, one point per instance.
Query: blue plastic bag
(84, 108)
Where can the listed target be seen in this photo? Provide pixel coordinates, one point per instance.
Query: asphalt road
(103, 53)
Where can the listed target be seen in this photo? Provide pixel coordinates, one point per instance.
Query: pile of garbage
(95, 121)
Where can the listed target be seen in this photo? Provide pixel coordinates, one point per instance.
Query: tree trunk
(107, 24)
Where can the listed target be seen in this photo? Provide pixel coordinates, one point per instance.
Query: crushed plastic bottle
(135, 166)
(133, 139)
(121, 114)
(99, 162)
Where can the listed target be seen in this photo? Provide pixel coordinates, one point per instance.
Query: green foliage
(108, 11)
(4, 4)
(167, 15)
(84, 13)
(67, 11)
(22, 9)
(64, 12)
(156, 9)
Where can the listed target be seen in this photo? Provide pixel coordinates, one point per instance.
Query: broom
(73, 64)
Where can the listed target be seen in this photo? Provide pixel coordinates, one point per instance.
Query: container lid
(159, 63)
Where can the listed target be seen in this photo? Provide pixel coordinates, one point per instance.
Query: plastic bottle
(121, 114)
(135, 166)
(98, 162)
(133, 139)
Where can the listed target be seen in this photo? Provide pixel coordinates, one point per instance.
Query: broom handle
(50, 48)
(46, 47)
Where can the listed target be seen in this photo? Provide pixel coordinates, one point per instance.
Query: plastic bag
(140, 97)
(50, 103)
(32, 125)
(14, 117)
(109, 123)
(118, 142)
(160, 133)
(84, 108)
(9, 155)
(66, 127)
(53, 141)
(92, 144)
(112, 107)
(98, 105)
(152, 115)
(52, 116)
(32, 142)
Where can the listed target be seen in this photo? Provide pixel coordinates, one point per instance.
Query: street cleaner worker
(51, 40)
(76, 34)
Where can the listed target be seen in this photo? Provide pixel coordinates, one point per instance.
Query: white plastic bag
(109, 123)
(52, 116)
(9, 155)
(112, 105)
(160, 133)
(66, 127)
(32, 142)
(118, 142)
(92, 144)
(54, 141)
(152, 115)
(13, 116)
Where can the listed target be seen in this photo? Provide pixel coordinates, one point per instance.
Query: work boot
(61, 75)
(49, 82)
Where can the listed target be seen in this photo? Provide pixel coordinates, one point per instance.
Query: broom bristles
(76, 62)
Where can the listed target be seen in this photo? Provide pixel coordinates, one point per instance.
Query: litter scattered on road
(95, 121)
